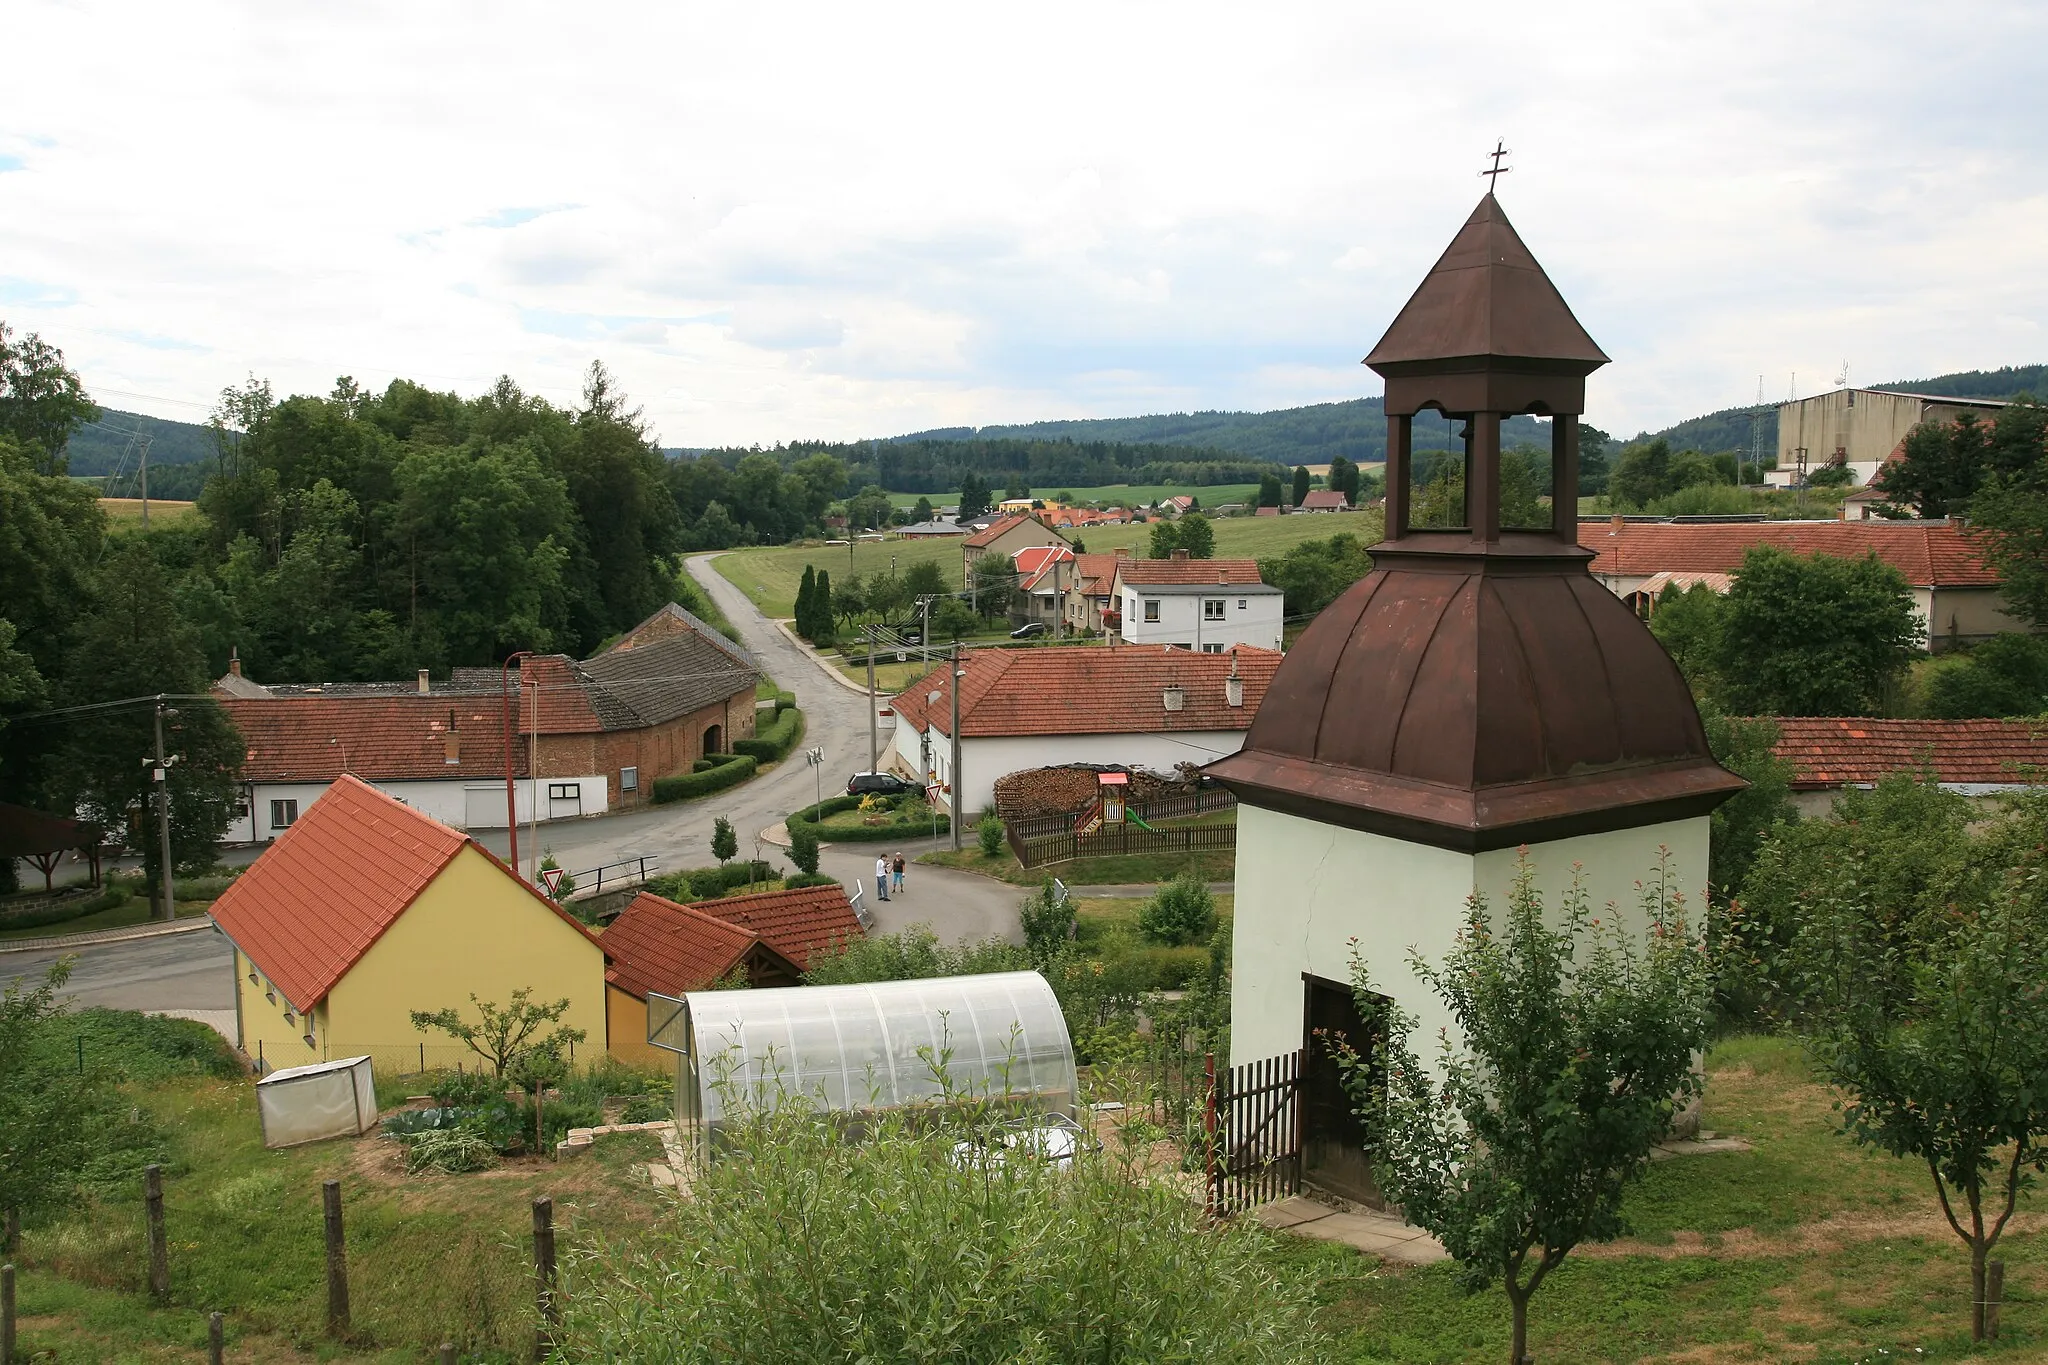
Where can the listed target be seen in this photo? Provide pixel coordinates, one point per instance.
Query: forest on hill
(1312, 435)
(939, 466)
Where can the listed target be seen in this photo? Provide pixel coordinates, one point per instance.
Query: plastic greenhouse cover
(308, 1103)
(883, 1044)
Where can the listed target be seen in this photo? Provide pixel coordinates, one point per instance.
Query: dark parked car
(1029, 629)
(885, 784)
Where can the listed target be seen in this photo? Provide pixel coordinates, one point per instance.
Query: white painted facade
(460, 803)
(1210, 617)
(985, 760)
(1310, 894)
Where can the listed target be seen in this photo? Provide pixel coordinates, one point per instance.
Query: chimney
(1123, 552)
(424, 689)
(451, 741)
(1173, 698)
(1180, 554)
(1233, 686)
(1618, 522)
(234, 661)
(1222, 575)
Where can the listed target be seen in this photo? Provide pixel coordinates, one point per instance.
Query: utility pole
(145, 483)
(925, 635)
(953, 806)
(874, 743)
(163, 816)
(533, 786)
(505, 705)
(1059, 603)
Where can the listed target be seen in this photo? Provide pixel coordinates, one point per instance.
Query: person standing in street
(882, 877)
(899, 871)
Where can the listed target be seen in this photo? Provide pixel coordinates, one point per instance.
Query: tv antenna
(1842, 379)
(1756, 433)
(1496, 171)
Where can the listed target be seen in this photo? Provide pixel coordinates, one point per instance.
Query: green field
(769, 575)
(128, 511)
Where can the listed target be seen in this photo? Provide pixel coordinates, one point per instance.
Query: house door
(1333, 1136)
(714, 740)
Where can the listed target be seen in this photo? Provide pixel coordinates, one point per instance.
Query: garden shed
(866, 1048)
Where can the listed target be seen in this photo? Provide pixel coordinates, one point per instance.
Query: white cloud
(817, 220)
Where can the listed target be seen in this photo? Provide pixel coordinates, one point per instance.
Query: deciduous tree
(503, 1033)
(1571, 1047)
(1813, 635)
(1301, 484)
(41, 400)
(724, 843)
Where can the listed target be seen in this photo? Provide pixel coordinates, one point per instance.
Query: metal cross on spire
(1500, 150)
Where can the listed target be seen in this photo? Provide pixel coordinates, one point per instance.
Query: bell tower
(1476, 694)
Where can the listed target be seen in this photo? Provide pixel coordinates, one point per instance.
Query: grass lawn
(770, 575)
(431, 1258)
(1212, 865)
(133, 911)
(1804, 1248)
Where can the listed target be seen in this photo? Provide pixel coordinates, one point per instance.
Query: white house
(1206, 605)
(1144, 706)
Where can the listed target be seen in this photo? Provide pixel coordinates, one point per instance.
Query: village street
(191, 971)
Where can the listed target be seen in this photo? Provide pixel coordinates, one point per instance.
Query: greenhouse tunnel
(866, 1048)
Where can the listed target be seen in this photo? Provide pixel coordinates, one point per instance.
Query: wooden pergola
(45, 839)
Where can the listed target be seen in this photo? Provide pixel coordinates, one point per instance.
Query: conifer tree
(806, 590)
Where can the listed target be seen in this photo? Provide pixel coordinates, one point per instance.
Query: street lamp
(511, 799)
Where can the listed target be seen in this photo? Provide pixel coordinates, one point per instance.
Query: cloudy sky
(785, 220)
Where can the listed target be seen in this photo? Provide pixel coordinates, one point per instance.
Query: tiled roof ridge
(1831, 751)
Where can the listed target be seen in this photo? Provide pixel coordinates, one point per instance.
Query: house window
(629, 779)
(1212, 649)
(283, 814)
(565, 791)
(1212, 609)
(1152, 609)
(1240, 604)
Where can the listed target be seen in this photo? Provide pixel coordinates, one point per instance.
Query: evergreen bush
(1179, 913)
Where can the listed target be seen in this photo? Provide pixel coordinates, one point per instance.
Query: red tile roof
(391, 738)
(1846, 751)
(658, 945)
(310, 907)
(995, 530)
(1319, 498)
(1190, 571)
(810, 919)
(1035, 559)
(1091, 690)
(1928, 554)
(1095, 573)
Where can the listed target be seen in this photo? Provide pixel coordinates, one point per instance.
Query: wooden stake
(337, 1260)
(216, 1339)
(447, 1353)
(1994, 1296)
(544, 1273)
(10, 1233)
(159, 1249)
(6, 1315)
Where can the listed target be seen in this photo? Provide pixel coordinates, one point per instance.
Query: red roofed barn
(1145, 706)
(366, 910)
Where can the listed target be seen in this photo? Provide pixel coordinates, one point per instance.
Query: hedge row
(728, 771)
(709, 883)
(895, 831)
(784, 701)
(66, 910)
(775, 742)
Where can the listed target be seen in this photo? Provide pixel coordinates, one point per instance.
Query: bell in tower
(1476, 694)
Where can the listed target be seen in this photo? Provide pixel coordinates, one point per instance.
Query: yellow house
(366, 910)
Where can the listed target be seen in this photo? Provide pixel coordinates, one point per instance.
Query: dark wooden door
(1332, 1135)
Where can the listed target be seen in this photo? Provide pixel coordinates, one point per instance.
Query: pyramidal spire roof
(1486, 299)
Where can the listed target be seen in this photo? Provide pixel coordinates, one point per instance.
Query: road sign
(553, 877)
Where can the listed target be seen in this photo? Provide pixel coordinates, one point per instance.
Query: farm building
(1144, 706)
(1956, 593)
(366, 910)
(1859, 428)
(589, 736)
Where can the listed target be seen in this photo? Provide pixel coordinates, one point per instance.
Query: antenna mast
(1756, 432)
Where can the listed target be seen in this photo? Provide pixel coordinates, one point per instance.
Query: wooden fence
(1254, 1134)
(1173, 807)
(1116, 840)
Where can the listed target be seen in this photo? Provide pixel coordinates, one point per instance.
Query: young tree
(850, 599)
(1269, 490)
(1643, 474)
(805, 587)
(1301, 484)
(1939, 1037)
(952, 618)
(1689, 623)
(922, 512)
(724, 843)
(1047, 920)
(822, 610)
(803, 847)
(1165, 540)
(1813, 636)
(1570, 1050)
(925, 579)
(1344, 478)
(1592, 460)
(503, 1033)
(1739, 825)
(995, 584)
(1197, 536)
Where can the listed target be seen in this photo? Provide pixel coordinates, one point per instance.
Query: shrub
(990, 832)
(934, 1255)
(803, 848)
(775, 742)
(709, 883)
(558, 1116)
(453, 1151)
(809, 879)
(144, 1047)
(915, 822)
(466, 1089)
(1171, 969)
(1047, 922)
(647, 1109)
(64, 911)
(1180, 912)
(913, 954)
(730, 771)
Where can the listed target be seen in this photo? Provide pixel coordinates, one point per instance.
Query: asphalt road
(175, 972)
